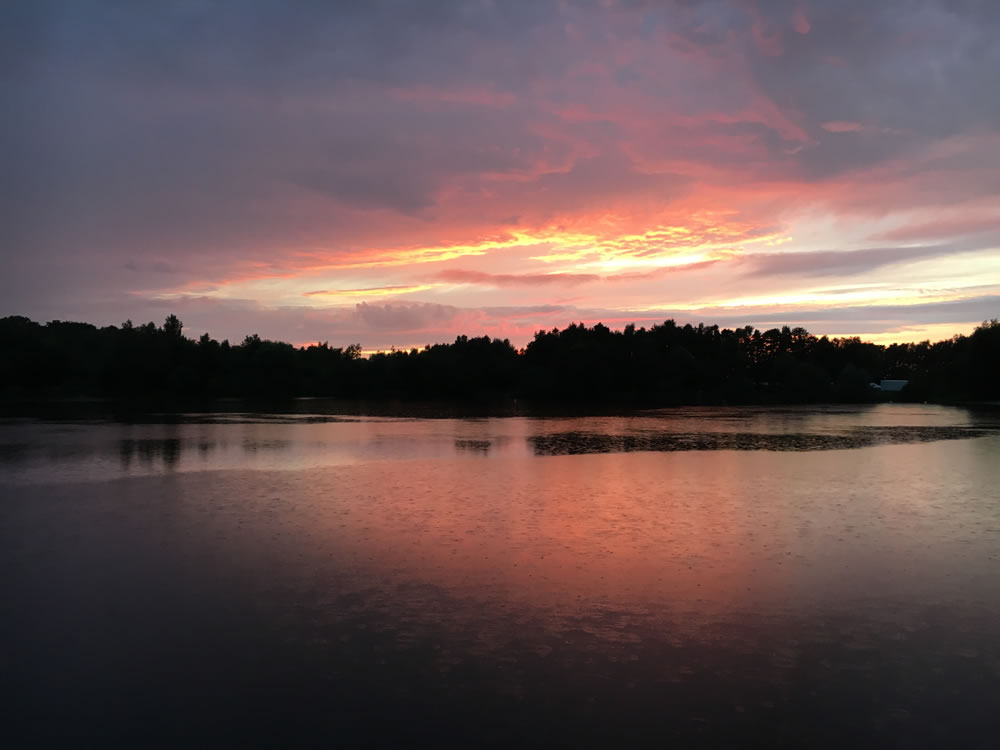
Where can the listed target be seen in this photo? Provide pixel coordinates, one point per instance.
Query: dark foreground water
(717, 577)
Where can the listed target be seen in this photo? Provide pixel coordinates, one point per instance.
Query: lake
(795, 577)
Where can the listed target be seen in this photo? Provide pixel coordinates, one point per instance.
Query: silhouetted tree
(664, 364)
(172, 326)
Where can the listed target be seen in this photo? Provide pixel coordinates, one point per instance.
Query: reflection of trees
(14, 453)
(253, 445)
(147, 451)
(570, 443)
(664, 364)
(473, 446)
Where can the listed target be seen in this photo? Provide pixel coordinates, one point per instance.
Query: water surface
(800, 577)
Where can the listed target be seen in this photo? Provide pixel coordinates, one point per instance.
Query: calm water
(806, 577)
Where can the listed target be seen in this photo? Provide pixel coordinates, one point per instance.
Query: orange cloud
(460, 276)
(384, 291)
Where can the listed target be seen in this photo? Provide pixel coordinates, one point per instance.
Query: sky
(396, 173)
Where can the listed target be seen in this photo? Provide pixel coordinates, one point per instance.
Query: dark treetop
(662, 365)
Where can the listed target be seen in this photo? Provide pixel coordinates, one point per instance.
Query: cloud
(842, 126)
(460, 276)
(800, 22)
(380, 291)
(151, 266)
(946, 225)
(973, 309)
(402, 317)
(853, 262)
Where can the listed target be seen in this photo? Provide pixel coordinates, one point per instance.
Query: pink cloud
(800, 22)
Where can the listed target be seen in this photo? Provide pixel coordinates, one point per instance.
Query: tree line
(662, 365)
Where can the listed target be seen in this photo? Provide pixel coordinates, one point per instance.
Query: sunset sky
(395, 173)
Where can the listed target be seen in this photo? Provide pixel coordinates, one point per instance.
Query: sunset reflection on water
(446, 573)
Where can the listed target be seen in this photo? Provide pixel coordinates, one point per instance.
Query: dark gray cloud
(171, 97)
(403, 317)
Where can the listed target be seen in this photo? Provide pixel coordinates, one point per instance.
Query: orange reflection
(630, 532)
